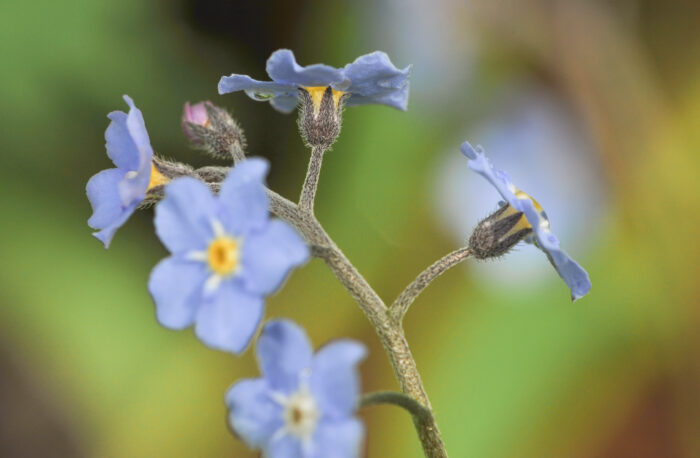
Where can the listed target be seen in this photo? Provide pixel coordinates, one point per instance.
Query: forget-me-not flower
(115, 193)
(371, 78)
(303, 405)
(227, 254)
(575, 277)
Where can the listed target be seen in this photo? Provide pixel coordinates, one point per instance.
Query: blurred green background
(513, 368)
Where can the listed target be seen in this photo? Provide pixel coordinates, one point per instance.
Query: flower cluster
(227, 254)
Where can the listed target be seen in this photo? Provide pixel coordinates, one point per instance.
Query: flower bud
(320, 115)
(498, 233)
(213, 130)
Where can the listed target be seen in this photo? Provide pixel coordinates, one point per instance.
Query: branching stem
(398, 399)
(400, 306)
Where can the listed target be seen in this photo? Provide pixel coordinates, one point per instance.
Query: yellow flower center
(223, 255)
(317, 92)
(157, 178)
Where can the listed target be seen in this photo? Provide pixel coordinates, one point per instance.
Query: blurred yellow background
(512, 367)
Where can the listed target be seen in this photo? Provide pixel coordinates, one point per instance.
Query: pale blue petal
(134, 187)
(109, 214)
(335, 381)
(268, 255)
(285, 103)
(176, 288)
(103, 194)
(284, 352)
(374, 79)
(283, 68)
(338, 439)
(243, 197)
(236, 82)
(575, 276)
(253, 415)
(284, 447)
(184, 217)
(228, 320)
(120, 146)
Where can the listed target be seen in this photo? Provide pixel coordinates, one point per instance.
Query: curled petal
(283, 351)
(374, 79)
(283, 68)
(335, 381)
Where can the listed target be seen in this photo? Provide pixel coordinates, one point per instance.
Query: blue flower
(575, 277)
(115, 193)
(372, 78)
(227, 254)
(303, 404)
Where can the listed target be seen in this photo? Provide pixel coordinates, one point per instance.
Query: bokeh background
(592, 106)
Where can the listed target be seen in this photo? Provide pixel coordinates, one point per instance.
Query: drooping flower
(521, 217)
(227, 255)
(303, 405)
(371, 78)
(115, 193)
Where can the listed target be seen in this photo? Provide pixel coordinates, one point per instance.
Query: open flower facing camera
(304, 404)
(227, 255)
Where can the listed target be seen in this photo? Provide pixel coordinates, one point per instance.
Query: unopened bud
(498, 233)
(320, 115)
(213, 130)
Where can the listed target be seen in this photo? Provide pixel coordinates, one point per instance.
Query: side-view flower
(520, 218)
(371, 78)
(115, 193)
(304, 404)
(227, 254)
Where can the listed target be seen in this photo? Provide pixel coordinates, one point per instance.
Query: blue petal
(267, 257)
(500, 180)
(176, 288)
(133, 188)
(575, 276)
(243, 197)
(284, 447)
(236, 82)
(284, 352)
(338, 439)
(253, 415)
(285, 103)
(120, 146)
(283, 68)
(108, 212)
(335, 381)
(229, 319)
(184, 217)
(374, 79)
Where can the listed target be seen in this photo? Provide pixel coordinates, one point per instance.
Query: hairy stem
(398, 399)
(308, 191)
(400, 306)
